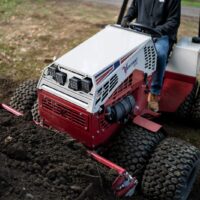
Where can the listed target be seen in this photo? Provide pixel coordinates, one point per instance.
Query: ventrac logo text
(129, 65)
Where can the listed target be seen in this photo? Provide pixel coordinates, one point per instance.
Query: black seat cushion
(196, 40)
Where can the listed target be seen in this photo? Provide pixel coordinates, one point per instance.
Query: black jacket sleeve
(132, 11)
(173, 18)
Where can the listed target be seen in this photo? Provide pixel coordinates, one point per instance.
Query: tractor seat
(196, 40)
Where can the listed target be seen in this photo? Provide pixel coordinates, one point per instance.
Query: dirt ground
(39, 164)
(32, 34)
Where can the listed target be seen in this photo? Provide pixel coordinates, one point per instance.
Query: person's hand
(125, 23)
(159, 31)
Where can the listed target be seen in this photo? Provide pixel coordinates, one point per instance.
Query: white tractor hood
(101, 50)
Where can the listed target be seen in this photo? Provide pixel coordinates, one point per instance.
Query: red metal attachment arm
(11, 110)
(106, 162)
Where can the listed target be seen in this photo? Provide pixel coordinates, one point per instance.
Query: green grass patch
(191, 3)
(10, 8)
(7, 7)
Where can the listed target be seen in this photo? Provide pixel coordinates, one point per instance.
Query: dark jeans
(162, 48)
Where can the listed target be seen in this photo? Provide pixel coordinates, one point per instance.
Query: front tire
(171, 171)
(132, 148)
(35, 112)
(24, 96)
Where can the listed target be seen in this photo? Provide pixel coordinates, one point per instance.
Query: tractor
(97, 93)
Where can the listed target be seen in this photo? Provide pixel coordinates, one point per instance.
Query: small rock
(23, 50)
(8, 139)
(49, 60)
(76, 188)
(29, 196)
(38, 182)
(36, 167)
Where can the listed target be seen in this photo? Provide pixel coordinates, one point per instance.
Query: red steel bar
(11, 110)
(107, 163)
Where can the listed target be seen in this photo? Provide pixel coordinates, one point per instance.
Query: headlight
(58, 76)
(75, 83)
(52, 71)
(86, 85)
(61, 78)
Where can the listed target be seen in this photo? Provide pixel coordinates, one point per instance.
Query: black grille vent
(150, 57)
(108, 86)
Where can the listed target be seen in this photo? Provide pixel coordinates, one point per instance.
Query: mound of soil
(40, 164)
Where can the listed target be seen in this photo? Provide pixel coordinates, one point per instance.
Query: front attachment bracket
(124, 185)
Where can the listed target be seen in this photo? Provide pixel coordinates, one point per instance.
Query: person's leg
(162, 48)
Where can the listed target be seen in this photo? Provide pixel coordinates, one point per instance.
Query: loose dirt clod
(8, 140)
(40, 164)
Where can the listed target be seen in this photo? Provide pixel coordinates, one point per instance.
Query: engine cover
(89, 74)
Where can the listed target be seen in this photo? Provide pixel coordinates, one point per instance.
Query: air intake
(150, 57)
(66, 112)
(109, 86)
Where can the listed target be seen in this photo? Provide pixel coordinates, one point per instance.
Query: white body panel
(101, 50)
(108, 58)
(185, 58)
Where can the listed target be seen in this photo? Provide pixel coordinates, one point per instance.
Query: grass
(8, 5)
(33, 32)
(193, 3)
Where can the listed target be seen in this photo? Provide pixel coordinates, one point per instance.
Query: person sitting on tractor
(164, 16)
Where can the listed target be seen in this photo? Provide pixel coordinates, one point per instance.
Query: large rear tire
(132, 148)
(24, 96)
(171, 171)
(195, 114)
(185, 109)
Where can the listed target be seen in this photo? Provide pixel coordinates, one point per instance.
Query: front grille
(74, 116)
